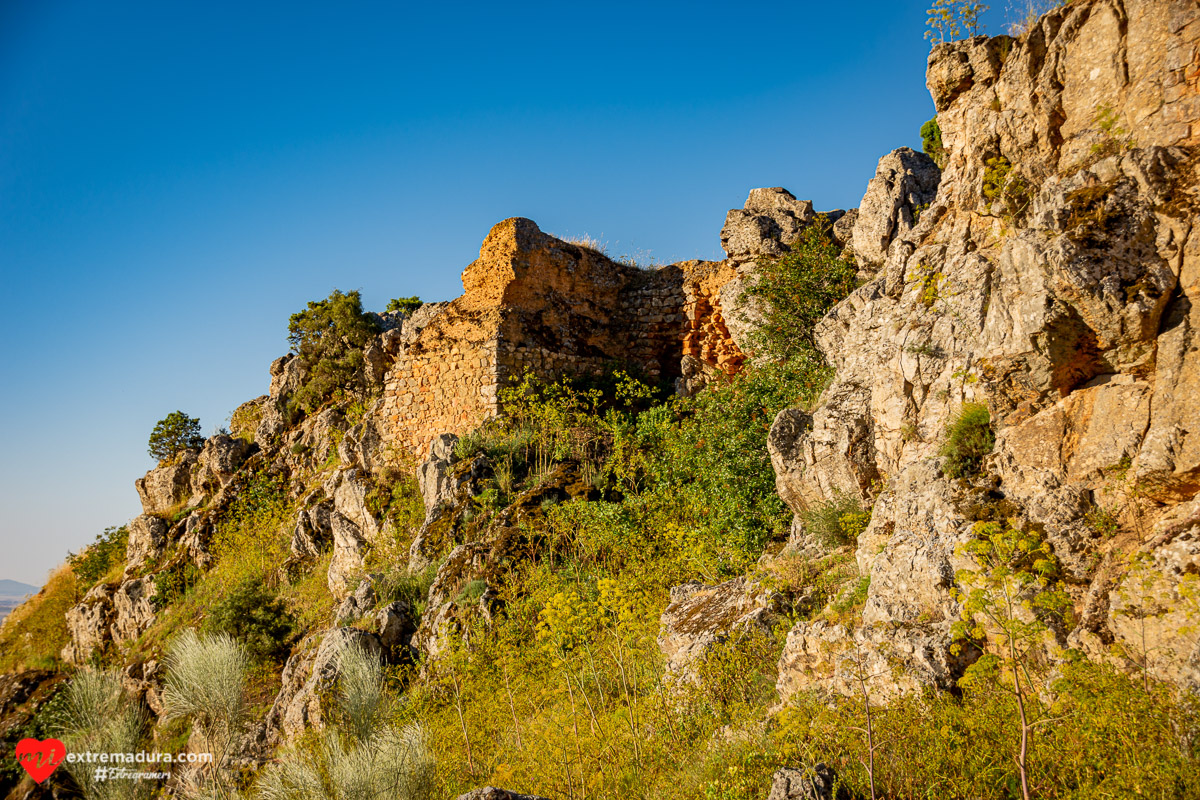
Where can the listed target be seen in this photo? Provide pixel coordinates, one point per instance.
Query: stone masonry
(534, 302)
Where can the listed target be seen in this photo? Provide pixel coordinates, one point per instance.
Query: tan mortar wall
(532, 302)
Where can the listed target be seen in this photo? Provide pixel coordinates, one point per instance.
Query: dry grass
(35, 632)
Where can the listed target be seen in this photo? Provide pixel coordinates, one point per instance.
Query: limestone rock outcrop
(167, 487)
(700, 617)
(1054, 278)
(905, 184)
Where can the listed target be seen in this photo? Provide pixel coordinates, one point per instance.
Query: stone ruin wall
(532, 302)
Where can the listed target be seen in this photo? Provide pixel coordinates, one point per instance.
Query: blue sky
(177, 178)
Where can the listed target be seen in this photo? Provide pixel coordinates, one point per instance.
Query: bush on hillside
(406, 305)
(931, 142)
(329, 337)
(94, 561)
(174, 433)
(795, 291)
(255, 618)
(969, 437)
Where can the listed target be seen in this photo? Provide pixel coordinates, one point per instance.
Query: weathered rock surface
(166, 488)
(217, 463)
(769, 222)
(700, 617)
(133, 611)
(492, 793)
(89, 623)
(804, 784)
(1055, 278)
(433, 474)
(905, 184)
(147, 539)
(892, 660)
(309, 680)
(358, 603)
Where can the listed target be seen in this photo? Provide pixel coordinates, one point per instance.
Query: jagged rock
(770, 220)
(308, 680)
(147, 539)
(349, 553)
(166, 488)
(830, 452)
(437, 534)
(1154, 608)
(397, 624)
(348, 490)
(90, 624)
(433, 476)
(700, 617)
(743, 315)
(312, 532)
(905, 183)
(843, 230)
(143, 681)
(362, 446)
(1054, 279)
(893, 660)
(217, 464)
(492, 793)
(804, 784)
(288, 374)
(197, 532)
(132, 610)
(271, 424)
(357, 604)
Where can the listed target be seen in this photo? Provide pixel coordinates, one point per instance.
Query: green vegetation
(329, 337)
(949, 20)
(105, 554)
(1008, 194)
(255, 618)
(797, 290)
(837, 522)
(1012, 598)
(969, 438)
(406, 305)
(931, 142)
(173, 434)
(35, 633)
(95, 716)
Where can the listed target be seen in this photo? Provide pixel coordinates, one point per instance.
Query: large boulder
(492, 793)
(133, 609)
(168, 487)
(904, 185)
(309, 683)
(90, 624)
(805, 784)
(147, 540)
(699, 618)
(433, 474)
(350, 547)
(770, 221)
(217, 463)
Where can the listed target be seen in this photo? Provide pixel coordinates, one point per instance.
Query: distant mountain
(16, 588)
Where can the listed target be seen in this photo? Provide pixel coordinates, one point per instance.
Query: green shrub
(406, 305)
(798, 289)
(969, 437)
(1008, 194)
(174, 433)
(931, 143)
(329, 337)
(255, 618)
(172, 584)
(94, 561)
(836, 522)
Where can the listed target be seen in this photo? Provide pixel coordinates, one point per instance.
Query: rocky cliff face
(1050, 273)
(1053, 278)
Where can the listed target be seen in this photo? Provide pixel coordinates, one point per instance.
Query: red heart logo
(40, 758)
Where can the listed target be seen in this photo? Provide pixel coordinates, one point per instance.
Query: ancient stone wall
(534, 302)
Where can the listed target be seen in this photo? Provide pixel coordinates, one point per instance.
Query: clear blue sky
(177, 178)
